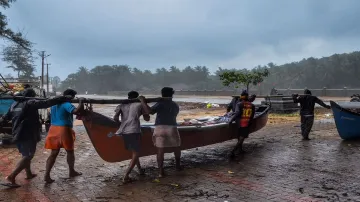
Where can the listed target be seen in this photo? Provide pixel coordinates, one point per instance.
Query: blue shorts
(27, 149)
(132, 141)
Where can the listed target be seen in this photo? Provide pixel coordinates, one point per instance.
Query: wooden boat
(347, 121)
(111, 148)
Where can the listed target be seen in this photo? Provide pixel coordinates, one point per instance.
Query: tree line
(102, 79)
(336, 71)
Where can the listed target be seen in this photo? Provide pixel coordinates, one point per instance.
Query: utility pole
(47, 78)
(43, 56)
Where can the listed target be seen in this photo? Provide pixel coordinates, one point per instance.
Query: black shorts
(27, 149)
(243, 132)
(132, 141)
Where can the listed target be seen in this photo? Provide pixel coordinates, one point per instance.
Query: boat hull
(347, 122)
(110, 147)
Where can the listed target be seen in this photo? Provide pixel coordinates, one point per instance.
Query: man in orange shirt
(244, 115)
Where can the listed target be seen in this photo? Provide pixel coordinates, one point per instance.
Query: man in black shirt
(24, 116)
(232, 105)
(307, 105)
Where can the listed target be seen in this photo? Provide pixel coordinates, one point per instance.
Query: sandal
(10, 185)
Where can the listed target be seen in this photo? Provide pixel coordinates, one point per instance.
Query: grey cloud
(160, 33)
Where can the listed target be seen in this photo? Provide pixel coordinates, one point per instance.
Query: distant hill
(336, 71)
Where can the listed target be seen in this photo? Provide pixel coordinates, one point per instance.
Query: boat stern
(347, 122)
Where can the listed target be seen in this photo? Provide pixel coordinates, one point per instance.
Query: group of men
(24, 116)
(165, 136)
(26, 125)
(243, 112)
(25, 119)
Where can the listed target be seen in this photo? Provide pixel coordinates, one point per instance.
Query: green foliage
(244, 77)
(106, 78)
(20, 60)
(9, 34)
(335, 71)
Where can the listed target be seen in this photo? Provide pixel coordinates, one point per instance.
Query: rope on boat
(89, 113)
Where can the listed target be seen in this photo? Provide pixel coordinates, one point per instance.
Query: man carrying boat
(25, 130)
(166, 134)
(244, 115)
(61, 134)
(130, 129)
(307, 105)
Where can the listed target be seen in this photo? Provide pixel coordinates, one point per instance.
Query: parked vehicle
(14, 86)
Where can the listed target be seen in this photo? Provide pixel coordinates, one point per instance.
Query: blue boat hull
(347, 122)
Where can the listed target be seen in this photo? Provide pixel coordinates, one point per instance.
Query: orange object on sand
(60, 137)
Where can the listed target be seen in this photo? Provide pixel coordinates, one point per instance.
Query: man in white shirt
(130, 129)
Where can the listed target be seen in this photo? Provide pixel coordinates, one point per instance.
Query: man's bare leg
(29, 174)
(177, 154)
(238, 146)
(71, 161)
(23, 163)
(134, 161)
(49, 164)
(241, 142)
(141, 170)
(160, 161)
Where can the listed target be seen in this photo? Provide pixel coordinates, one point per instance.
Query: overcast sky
(149, 34)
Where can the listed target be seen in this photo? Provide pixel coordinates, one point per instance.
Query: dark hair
(26, 86)
(133, 94)
(244, 93)
(29, 92)
(167, 92)
(70, 92)
(307, 92)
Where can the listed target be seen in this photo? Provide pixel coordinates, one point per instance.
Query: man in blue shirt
(62, 135)
(166, 134)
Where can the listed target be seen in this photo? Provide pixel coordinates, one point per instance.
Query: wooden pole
(90, 101)
(47, 79)
(267, 96)
(4, 81)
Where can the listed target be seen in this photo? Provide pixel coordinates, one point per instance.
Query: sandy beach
(278, 166)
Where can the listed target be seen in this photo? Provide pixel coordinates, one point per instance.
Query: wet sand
(278, 166)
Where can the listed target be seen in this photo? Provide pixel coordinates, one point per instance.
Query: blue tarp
(5, 105)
